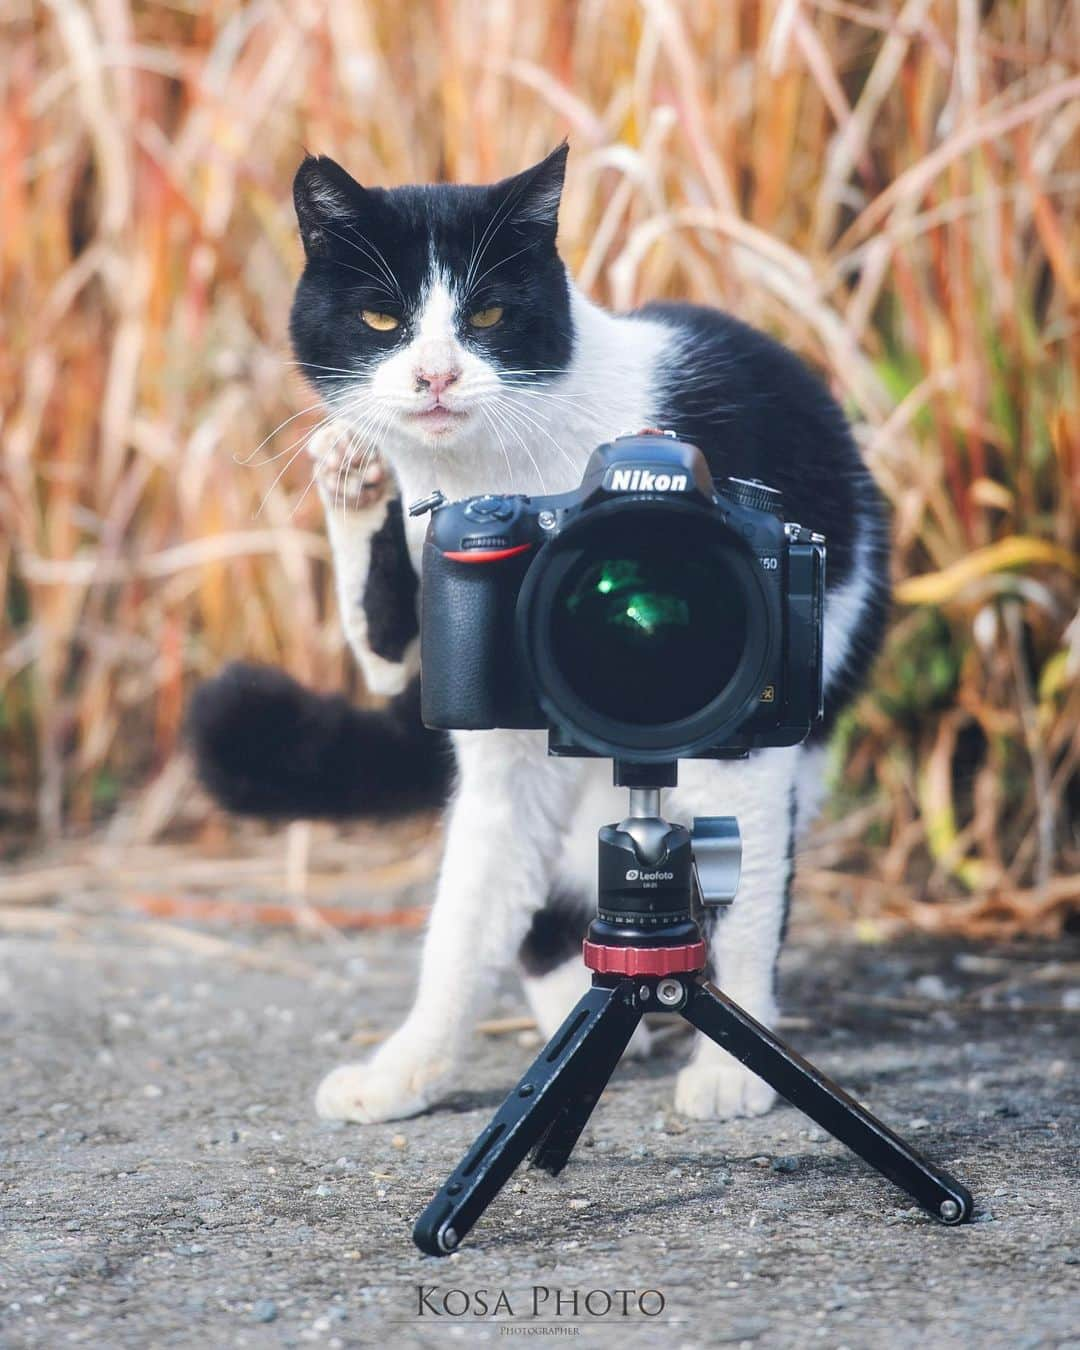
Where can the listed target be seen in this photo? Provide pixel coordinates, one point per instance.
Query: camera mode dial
(490, 507)
(754, 493)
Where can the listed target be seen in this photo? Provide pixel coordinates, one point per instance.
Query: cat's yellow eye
(486, 318)
(382, 323)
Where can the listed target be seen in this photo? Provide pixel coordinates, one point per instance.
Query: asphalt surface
(164, 1181)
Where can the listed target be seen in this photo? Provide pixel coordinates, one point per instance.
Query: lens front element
(649, 636)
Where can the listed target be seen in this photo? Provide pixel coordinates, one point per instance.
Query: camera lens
(648, 623)
(645, 626)
(644, 633)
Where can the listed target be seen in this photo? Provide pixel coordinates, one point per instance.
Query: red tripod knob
(644, 960)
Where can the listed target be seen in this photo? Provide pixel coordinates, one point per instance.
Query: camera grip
(471, 677)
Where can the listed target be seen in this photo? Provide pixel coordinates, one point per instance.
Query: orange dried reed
(890, 187)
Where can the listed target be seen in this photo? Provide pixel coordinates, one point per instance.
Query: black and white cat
(440, 326)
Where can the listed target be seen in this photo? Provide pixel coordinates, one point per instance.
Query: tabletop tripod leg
(595, 1034)
(557, 1143)
(804, 1086)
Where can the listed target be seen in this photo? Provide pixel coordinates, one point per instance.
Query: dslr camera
(650, 615)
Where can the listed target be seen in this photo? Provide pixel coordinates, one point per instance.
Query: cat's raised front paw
(380, 1089)
(719, 1091)
(350, 476)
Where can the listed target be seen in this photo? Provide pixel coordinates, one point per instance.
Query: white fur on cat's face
(433, 388)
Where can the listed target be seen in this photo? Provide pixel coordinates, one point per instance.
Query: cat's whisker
(519, 437)
(283, 470)
(375, 416)
(332, 415)
(246, 460)
(301, 444)
(313, 365)
(335, 410)
(362, 271)
(501, 214)
(501, 263)
(512, 412)
(502, 446)
(373, 434)
(378, 257)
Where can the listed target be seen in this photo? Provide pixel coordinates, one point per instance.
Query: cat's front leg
(503, 840)
(375, 583)
(745, 942)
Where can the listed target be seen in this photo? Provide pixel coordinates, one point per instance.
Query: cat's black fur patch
(793, 824)
(361, 246)
(555, 934)
(756, 410)
(266, 746)
(389, 598)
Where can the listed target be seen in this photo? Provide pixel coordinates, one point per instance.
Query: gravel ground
(166, 1183)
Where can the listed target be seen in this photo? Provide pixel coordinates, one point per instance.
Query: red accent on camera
(478, 555)
(644, 960)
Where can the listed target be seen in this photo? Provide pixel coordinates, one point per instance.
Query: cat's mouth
(438, 419)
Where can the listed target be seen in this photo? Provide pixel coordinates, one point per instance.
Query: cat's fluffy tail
(266, 746)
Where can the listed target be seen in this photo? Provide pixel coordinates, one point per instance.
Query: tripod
(647, 954)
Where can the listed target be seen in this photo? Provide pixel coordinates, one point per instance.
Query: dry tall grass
(891, 187)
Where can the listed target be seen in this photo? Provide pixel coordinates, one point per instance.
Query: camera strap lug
(423, 505)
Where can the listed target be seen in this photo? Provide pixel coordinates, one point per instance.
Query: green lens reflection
(630, 602)
(650, 635)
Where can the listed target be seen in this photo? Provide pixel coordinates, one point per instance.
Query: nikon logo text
(644, 480)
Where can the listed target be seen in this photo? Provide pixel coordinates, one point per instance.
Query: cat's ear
(322, 194)
(537, 192)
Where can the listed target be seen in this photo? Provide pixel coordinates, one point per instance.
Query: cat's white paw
(707, 1090)
(382, 677)
(349, 475)
(386, 1088)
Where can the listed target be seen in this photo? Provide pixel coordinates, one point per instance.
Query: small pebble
(580, 1204)
(398, 1141)
(264, 1310)
(785, 1164)
(932, 986)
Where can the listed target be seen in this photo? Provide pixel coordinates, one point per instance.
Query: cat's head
(420, 308)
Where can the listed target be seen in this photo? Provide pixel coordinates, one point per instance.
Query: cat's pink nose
(435, 381)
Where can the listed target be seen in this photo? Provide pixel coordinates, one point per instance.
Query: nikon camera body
(651, 614)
